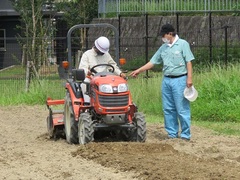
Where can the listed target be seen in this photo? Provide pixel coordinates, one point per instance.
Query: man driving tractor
(98, 55)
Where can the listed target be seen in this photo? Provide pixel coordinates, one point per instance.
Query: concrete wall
(195, 29)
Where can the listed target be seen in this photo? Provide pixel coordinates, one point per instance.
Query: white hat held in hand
(190, 94)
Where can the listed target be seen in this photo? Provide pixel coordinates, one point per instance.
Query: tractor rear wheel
(139, 133)
(71, 125)
(50, 126)
(85, 128)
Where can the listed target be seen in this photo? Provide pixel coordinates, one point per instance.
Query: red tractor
(111, 108)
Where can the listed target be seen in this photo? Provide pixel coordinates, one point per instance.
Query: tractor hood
(109, 84)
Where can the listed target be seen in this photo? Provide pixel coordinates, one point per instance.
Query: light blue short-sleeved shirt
(174, 58)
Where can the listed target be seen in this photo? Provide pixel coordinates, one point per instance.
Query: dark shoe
(169, 137)
(185, 139)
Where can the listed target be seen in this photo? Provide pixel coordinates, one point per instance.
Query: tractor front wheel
(139, 132)
(71, 128)
(85, 128)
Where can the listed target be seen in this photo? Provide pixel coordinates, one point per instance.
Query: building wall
(12, 54)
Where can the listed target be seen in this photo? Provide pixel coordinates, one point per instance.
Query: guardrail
(155, 6)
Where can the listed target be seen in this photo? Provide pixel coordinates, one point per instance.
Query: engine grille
(113, 101)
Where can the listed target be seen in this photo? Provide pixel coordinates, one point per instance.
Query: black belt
(169, 76)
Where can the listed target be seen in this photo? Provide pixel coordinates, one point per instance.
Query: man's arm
(84, 64)
(147, 66)
(189, 74)
(114, 64)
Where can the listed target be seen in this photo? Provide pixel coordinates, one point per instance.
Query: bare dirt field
(27, 153)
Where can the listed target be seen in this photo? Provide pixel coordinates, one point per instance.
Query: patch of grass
(13, 92)
(219, 94)
(13, 72)
(164, 7)
(150, 118)
(219, 98)
(227, 128)
(216, 108)
(140, 61)
(146, 94)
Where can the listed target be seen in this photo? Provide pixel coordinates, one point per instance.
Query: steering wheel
(92, 70)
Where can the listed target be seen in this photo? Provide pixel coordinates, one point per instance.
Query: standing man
(176, 56)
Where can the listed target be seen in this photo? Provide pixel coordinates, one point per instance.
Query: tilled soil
(26, 152)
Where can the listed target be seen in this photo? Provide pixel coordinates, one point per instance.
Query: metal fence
(154, 6)
(213, 39)
(220, 43)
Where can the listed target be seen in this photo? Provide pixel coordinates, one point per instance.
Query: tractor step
(57, 111)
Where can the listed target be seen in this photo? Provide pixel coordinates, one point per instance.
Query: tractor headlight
(122, 87)
(105, 88)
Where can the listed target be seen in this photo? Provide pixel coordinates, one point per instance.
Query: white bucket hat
(190, 94)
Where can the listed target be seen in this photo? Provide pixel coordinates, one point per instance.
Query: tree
(79, 12)
(34, 34)
(34, 30)
(38, 31)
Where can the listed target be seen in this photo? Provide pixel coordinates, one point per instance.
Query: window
(2, 40)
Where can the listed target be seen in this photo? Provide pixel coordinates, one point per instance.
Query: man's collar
(175, 40)
(94, 52)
